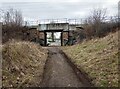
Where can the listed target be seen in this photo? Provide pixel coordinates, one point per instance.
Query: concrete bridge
(50, 28)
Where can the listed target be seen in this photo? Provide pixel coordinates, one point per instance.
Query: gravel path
(58, 73)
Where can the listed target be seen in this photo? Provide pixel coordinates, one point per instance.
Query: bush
(96, 25)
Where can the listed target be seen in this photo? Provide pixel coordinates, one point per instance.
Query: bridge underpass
(52, 28)
(53, 38)
(58, 70)
(62, 28)
(52, 41)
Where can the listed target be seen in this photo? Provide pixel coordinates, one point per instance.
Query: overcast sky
(53, 9)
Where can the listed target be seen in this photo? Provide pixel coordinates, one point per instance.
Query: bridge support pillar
(61, 38)
(45, 39)
(53, 37)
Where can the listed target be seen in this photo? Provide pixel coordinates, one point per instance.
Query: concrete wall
(72, 27)
(65, 35)
(53, 26)
(41, 35)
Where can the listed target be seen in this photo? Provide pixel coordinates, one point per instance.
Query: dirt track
(58, 72)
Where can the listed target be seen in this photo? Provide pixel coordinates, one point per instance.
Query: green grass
(99, 58)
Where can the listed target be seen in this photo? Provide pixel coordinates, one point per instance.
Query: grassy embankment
(99, 58)
(22, 64)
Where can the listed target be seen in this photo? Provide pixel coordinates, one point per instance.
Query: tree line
(95, 25)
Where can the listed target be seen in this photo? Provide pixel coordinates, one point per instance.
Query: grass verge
(22, 64)
(99, 58)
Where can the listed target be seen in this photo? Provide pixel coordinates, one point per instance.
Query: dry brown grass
(23, 64)
(99, 58)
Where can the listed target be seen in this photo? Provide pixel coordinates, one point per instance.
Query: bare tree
(12, 24)
(114, 21)
(93, 23)
(12, 17)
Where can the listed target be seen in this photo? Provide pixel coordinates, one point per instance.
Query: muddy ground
(58, 72)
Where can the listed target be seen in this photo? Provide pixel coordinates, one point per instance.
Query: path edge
(80, 73)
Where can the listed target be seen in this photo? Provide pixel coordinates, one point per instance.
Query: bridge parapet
(54, 26)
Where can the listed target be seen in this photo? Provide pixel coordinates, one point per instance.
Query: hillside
(98, 58)
(19, 33)
(23, 64)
